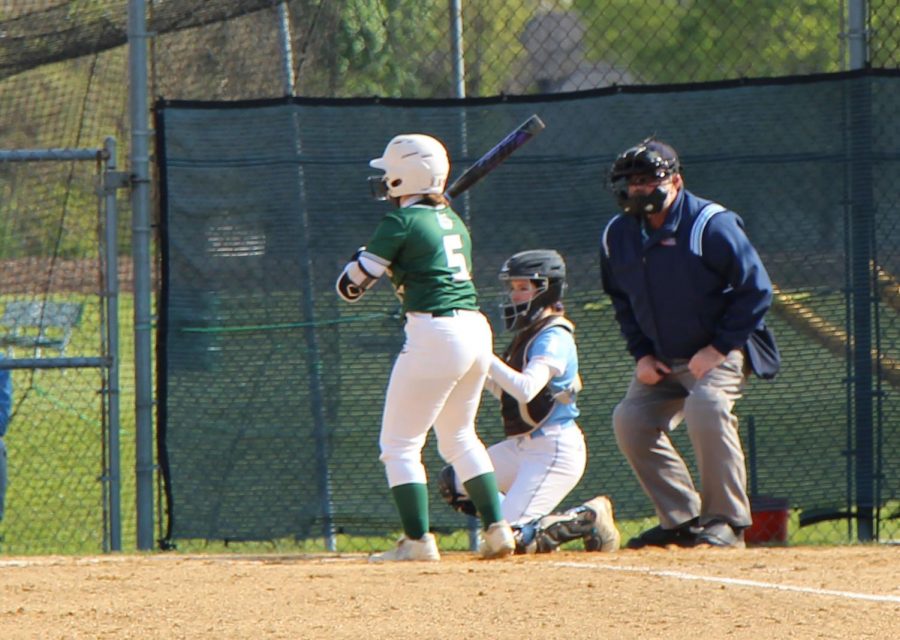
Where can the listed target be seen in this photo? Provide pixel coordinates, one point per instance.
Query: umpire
(689, 293)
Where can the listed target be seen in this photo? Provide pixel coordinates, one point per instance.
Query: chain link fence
(55, 327)
(64, 83)
(429, 49)
(233, 49)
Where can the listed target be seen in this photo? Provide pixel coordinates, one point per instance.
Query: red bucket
(770, 520)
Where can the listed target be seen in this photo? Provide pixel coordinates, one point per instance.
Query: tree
(695, 41)
(391, 48)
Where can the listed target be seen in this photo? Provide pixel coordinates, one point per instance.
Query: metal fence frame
(108, 361)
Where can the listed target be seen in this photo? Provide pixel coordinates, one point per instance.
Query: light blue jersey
(555, 347)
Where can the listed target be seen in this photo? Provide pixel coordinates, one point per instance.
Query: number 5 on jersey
(456, 260)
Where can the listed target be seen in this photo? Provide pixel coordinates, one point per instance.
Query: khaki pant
(642, 422)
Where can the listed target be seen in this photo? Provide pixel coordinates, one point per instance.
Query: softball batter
(543, 456)
(438, 377)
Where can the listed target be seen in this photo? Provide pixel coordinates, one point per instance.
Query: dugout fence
(262, 203)
(60, 338)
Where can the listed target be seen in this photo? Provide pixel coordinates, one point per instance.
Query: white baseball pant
(437, 381)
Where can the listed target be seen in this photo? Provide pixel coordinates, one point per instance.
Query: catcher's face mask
(521, 304)
(516, 303)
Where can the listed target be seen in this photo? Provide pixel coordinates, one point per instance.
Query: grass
(55, 446)
(820, 534)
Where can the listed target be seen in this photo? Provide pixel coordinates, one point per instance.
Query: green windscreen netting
(271, 387)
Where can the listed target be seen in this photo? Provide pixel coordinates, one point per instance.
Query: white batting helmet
(413, 163)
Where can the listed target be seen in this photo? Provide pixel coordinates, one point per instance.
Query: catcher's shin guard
(531, 538)
(447, 486)
(592, 522)
(526, 538)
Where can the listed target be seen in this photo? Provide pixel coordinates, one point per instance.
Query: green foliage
(402, 48)
(689, 41)
(492, 51)
(370, 47)
(884, 19)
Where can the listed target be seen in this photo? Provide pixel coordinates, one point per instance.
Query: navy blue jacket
(695, 281)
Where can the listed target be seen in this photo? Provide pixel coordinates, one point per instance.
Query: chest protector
(520, 418)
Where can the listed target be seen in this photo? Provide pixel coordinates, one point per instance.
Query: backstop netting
(271, 388)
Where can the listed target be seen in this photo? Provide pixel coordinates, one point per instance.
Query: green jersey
(428, 252)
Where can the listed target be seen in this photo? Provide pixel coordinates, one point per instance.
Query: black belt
(444, 313)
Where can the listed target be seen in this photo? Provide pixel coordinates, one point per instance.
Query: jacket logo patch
(668, 242)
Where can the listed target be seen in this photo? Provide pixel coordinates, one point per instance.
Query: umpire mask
(650, 161)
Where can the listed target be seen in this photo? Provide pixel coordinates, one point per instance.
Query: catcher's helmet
(651, 159)
(412, 163)
(547, 270)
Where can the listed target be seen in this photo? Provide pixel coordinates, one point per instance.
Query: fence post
(143, 290)
(857, 33)
(287, 52)
(457, 50)
(323, 476)
(112, 181)
(862, 223)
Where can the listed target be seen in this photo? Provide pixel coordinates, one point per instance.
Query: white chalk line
(733, 581)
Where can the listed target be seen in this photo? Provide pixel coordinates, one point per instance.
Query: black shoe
(684, 535)
(719, 533)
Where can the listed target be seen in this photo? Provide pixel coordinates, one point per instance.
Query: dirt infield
(844, 592)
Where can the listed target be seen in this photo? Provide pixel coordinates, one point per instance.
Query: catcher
(543, 456)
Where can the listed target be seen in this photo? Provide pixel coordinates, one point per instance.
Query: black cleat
(684, 535)
(719, 533)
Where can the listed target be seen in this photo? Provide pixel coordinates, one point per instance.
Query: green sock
(485, 496)
(412, 503)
